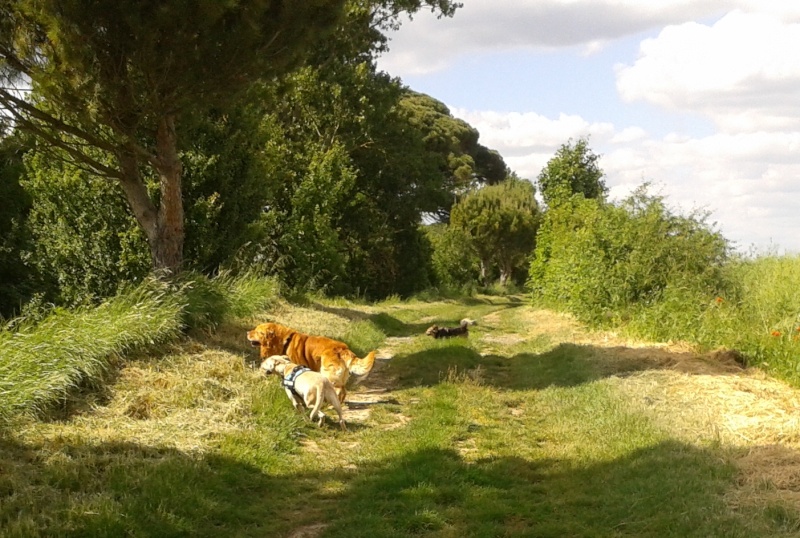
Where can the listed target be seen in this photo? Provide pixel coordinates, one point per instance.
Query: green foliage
(463, 162)
(17, 282)
(454, 262)
(82, 254)
(50, 353)
(757, 314)
(224, 185)
(601, 260)
(573, 170)
(115, 83)
(502, 221)
(355, 233)
(86, 255)
(321, 176)
(310, 229)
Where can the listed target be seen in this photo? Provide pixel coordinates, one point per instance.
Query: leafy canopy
(502, 221)
(573, 170)
(112, 83)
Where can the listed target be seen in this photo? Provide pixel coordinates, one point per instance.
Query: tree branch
(15, 104)
(80, 157)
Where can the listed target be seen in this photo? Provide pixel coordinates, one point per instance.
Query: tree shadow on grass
(566, 365)
(393, 327)
(112, 489)
(670, 489)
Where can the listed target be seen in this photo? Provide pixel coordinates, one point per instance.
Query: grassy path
(532, 426)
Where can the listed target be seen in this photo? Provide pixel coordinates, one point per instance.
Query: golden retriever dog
(331, 358)
(304, 387)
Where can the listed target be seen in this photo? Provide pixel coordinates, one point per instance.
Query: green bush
(602, 260)
(665, 277)
(455, 265)
(83, 255)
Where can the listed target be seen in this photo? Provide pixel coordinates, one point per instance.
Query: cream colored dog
(304, 387)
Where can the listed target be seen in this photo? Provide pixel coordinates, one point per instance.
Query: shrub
(454, 262)
(603, 260)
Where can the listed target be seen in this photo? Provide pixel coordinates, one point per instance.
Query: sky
(698, 98)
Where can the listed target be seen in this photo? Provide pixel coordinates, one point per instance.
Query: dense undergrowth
(46, 355)
(638, 266)
(758, 314)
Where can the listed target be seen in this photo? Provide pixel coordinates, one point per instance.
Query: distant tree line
(139, 139)
(136, 145)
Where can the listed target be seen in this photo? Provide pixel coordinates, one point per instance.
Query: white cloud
(747, 181)
(528, 140)
(735, 62)
(743, 72)
(430, 44)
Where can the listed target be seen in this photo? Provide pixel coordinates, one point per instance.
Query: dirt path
(375, 389)
(700, 398)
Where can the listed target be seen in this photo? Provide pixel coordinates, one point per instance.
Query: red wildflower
(776, 333)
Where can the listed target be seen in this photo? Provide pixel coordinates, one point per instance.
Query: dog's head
(270, 337)
(432, 330)
(274, 364)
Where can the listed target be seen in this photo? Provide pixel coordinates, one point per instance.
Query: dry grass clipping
(182, 401)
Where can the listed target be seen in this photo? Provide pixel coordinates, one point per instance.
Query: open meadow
(533, 425)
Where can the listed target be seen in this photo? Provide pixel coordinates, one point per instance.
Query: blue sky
(699, 97)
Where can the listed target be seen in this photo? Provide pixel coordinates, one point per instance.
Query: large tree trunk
(167, 250)
(505, 276)
(163, 226)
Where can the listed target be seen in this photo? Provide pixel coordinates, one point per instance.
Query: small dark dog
(447, 332)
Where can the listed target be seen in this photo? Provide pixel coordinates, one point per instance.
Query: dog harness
(288, 381)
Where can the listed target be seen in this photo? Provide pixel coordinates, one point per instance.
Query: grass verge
(42, 361)
(514, 431)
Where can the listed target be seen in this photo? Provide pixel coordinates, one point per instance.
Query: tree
(16, 281)
(114, 83)
(83, 255)
(340, 107)
(455, 265)
(573, 170)
(463, 162)
(502, 221)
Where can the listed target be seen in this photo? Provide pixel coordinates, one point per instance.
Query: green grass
(533, 437)
(759, 315)
(43, 361)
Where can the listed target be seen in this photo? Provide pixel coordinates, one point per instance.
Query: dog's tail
(360, 368)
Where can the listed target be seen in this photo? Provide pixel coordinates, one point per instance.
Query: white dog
(304, 387)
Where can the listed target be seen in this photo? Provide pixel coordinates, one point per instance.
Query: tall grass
(211, 301)
(40, 362)
(665, 276)
(758, 315)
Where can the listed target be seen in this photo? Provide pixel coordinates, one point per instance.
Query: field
(531, 426)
